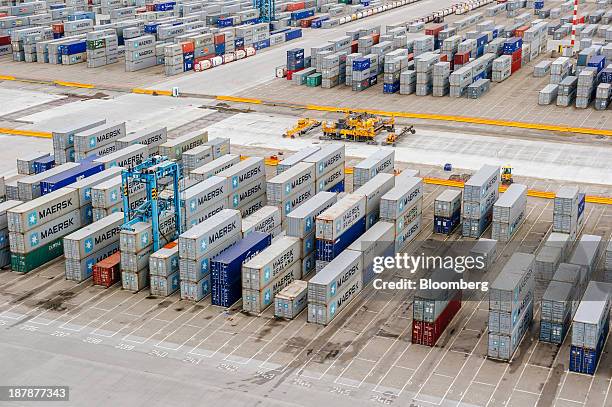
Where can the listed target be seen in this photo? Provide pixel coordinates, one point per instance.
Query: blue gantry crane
(151, 172)
(266, 9)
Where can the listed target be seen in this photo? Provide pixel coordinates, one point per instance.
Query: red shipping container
(410, 57)
(107, 272)
(354, 46)
(57, 28)
(3, 15)
(296, 6)
(428, 333)
(150, 7)
(516, 65)
(435, 30)
(376, 38)
(307, 22)
(462, 58)
(519, 32)
(517, 55)
(187, 47)
(443, 58)
(141, 10)
(5, 40)
(219, 39)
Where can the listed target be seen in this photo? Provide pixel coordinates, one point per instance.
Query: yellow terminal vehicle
(363, 127)
(506, 175)
(302, 127)
(393, 137)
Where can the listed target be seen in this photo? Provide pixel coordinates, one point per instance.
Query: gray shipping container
(511, 204)
(174, 149)
(340, 217)
(327, 158)
(243, 173)
(401, 198)
(45, 233)
(265, 220)
(94, 237)
(259, 300)
(219, 146)
(282, 186)
(203, 195)
(39, 211)
(85, 185)
(323, 314)
(587, 252)
(127, 157)
(592, 314)
(82, 269)
(97, 137)
(487, 249)
(329, 282)
(381, 161)
(214, 167)
(557, 302)
(291, 300)
(479, 184)
(63, 135)
(296, 158)
(164, 262)
(301, 221)
(150, 137)
(513, 285)
(262, 269)
(197, 157)
(447, 203)
(29, 187)
(194, 243)
(4, 208)
(25, 164)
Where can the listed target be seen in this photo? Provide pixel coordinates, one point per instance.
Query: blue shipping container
(513, 44)
(225, 296)
(598, 61)
(151, 28)
(606, 76)
(339, 187)
(69, 176)
(554, 332)
(239, 42)
(220, 49)
(71, 49)
(361, 64)
(44, 164)
(261, 44)
(293, 34)
(328, 250)
(585, 360)
(225, 22)
(391, 87)
(446, 225)
(227, 266)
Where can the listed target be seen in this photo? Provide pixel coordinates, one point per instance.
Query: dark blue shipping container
(57, 36)
(605, 76)
(495, 33)
(482, 40)
(225, 296)
(481, 75)
(82, 15)
(339, 187)
(280, 30)
(220, 49)
(44, 164)
(165, 6)
(598, 61)
(151, 28)
(585, 360)
(69, 176)
(581, 204)
(361, 64)
(225, 22)
(293, 34)
(554, 332)
(316, 23)
(188, 65)
(261, 44)
(538, 5)
(438, 44)
(227, 266)
(56, 6)
(373, 80)
(391, 87)
(446, 225)
(71, 49)
(327, 250)
(480, 51)
(298, 15)
(512, 45)
(239, 42)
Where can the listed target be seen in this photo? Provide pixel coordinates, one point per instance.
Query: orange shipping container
(187, 47)
(57, 28)
(296, 6)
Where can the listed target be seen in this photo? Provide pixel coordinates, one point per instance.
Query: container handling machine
(302, 127)
(154, 172)
(362, 127)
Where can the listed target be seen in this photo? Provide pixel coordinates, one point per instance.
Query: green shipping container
(96, 44)
(24, 263)
(313, 80)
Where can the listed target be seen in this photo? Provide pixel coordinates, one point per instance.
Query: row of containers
(237, 248)
(441, 62)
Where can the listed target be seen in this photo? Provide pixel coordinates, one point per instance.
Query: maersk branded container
(197, 157)
(337, 219)
(382, 161)
(174, 149)
(258, 300)
(409, 233)
(503, 346)
(25, 164)
(202, 195)
(110, 192)
(85, 185)
(292, 300)
(214, 167)
(326, 284)
(29, 187)
(135, 281)
(296, 158)
(68, 177)
(82, 269)
(401, 198)
(127, 157)
(332, 181)
(45, 233)
(587, 252)
(164, 286)
(94, 237)
(566, 200)
(247, 193)
(205, 213)
(301, 196)
(24, 263)
(195, 291)
(374, 190)
(327, 250)
(479, 185)
(486, 249)
(285, 185)
(243, 173)
(219, 147)
(592, 315)
(265, 220)
(165, 261)
(253, 206)
(99, 136)
(301, 221)
(448, 203)
(194, 243)
(513, 286)
(195, 270)
(134, 262)
(270, 263)
(323, 314)
(136, 239)
(511, 204)
(330, 156)
(41, 210)
(63, 136)
(428, 332)
(150, 137)
(376, 242)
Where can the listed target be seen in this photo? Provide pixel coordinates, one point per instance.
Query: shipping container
(556, 311)
(586, 253)
(334, 221)
(285, 185)
(479, 184)
(107, 271)
(513, 288)
(377, 242)
(247, 194)
(401, 198)
(68, 177)
(258, 300)
(324, 313)
(243, 173)
(502, 346)
(63, 136)
(214, 167)
(127, 157)
(510, 204)
(41, 210)
(226, 268)
(194, 243)
(99, 136)
(301, 221)
(94, 237)
(547, 261)
(296, 158)
(25, 164)
(382, 161)
(195, 291)
(165, 261)
(326, 284)
(135, 281)
(45, 233)
(265, 220)
(29, 187)
(174, 148)
(330, 156)
(204, 194)
(151, 137)
(195, 270)
(84, 186)
(592, 315)
(270, 263)
(219, 147)
(197, 157)
(291, 300)
(428, 332)
(82, 269)
(164, 286)
(374, 190)
(24, 263)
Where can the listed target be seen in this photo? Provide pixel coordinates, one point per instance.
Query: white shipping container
(341, 216)
(194, 243)
(301, 222)
(262, 269)
(264, 220)
(282, 186)
(203, 195)
(326, 284)
(243, 173)
(94, 237)
(327, 158)
(41, 210)
(214, 167)
(401, 198)
(174, 149)
(127, 157)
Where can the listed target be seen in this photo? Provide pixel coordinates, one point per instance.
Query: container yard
(306, 202)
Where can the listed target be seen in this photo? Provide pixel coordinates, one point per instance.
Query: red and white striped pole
(574, 23)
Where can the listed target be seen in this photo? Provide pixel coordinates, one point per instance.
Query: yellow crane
(302, 127)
